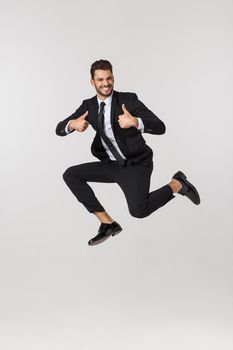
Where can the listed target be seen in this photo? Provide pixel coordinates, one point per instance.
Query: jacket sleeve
(61, 126)
(152, 124)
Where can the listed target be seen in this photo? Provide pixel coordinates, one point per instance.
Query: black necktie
(105, 138)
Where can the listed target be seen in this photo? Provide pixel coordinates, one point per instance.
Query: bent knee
(68, 173)
(73, 172)
(138, 213)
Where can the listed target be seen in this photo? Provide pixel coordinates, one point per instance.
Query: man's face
(103, 82)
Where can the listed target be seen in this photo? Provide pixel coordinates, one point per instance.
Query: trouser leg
(135, 183)
(76, 178)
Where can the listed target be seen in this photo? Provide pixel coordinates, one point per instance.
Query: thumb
(83, 116)
(124, 109)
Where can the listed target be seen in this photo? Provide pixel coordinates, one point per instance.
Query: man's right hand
(79, 124)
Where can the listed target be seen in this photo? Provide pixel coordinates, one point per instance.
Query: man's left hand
(126, 120)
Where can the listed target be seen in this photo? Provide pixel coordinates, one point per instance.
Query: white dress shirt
(108, 127)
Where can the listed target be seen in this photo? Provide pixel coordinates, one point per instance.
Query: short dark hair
(101, 64)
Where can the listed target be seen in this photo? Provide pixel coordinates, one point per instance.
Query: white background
(166, 281)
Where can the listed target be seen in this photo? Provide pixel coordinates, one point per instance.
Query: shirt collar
(107, 101)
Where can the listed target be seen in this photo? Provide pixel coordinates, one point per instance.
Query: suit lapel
(95, 104)
(113, 108)
(93, 111)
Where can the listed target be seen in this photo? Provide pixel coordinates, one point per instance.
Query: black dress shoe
(187, 189)
(105, 231)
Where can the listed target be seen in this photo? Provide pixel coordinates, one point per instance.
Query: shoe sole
(98, 242)
(184, 177)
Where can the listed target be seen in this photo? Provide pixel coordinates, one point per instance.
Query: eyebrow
(102, 78)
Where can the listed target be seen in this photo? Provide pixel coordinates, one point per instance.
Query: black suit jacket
(130, 141)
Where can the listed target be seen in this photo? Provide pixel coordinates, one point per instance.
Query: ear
(92, 82)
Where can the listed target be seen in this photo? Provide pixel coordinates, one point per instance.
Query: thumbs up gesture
(79, 124)
(126, 120)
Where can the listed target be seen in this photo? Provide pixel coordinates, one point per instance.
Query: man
(119, 119)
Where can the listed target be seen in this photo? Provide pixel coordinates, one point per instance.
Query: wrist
(70, 125)
(135, 122)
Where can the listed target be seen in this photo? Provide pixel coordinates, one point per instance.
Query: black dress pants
(134, 181)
